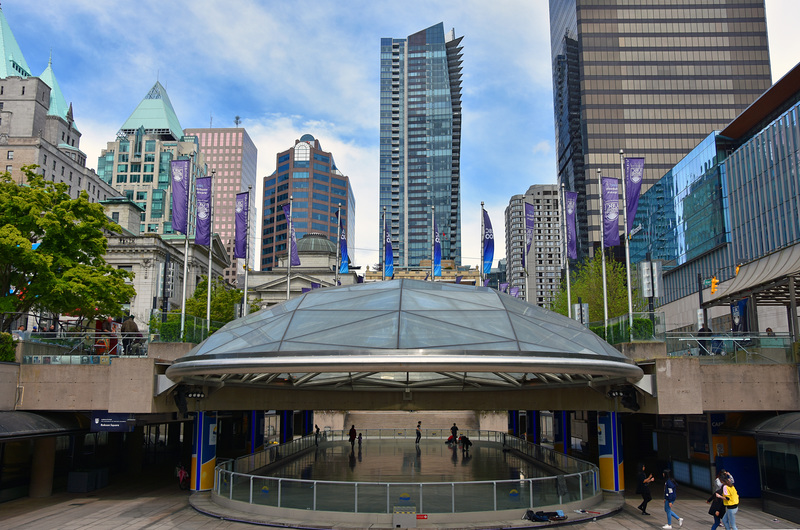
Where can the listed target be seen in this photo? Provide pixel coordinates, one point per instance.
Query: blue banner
(437, 251)
(488, 243)
(344, 266)
(388, 255)
(739, 317)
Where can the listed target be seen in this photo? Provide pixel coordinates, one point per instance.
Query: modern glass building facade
(318, 190)
(232, 156)
(420, 143)
(734, 199)
(652, 80)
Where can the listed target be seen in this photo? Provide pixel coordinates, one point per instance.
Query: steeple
(155, 114)
(58, 105)
(12, 62)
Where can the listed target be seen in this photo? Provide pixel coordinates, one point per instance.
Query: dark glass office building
(318, 189)
(420, 144)
(653, 80)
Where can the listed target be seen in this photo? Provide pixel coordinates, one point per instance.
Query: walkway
(155, 504)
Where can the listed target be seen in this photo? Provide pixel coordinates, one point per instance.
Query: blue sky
(290, 68)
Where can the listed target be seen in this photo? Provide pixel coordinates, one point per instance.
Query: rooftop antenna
(210, 120)
(237, 120)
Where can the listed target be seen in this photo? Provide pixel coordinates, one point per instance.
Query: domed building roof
(400, 334)
(315, 243)
(306, 138)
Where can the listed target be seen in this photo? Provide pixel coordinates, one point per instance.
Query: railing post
(494, 487)
(453, 496)
(387, 499)
(530, 484)
(314, 497)
(230, 486)
(356, 496)
(421, 505)
(251, 489)
(280, 486)
(580, 485)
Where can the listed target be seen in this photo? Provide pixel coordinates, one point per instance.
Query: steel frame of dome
(404, 335)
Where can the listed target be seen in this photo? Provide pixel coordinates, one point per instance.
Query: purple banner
(242, 212)
(344, 265)
(179, 169)
(488, 243)
(514, 292)
(293, 240)
(610, 193)
(572, 235)
(304, 290)
(503, 287)
(388, 254)
(203, 234)
(315, 285)
(437, 251)
(634, 170)
(486, 282)
(530, 222)
(458, 279)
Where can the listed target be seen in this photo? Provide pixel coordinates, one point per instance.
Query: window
(9, 168)
(115, 217)
(150, 145)
(10, 155)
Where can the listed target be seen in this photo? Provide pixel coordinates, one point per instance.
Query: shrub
(8, 348)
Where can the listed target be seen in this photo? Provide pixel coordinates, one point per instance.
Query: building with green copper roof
(12, 62)
(155, 114)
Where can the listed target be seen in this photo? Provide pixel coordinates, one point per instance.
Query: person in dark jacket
(717, 508)
(643, 488)
(670, 488)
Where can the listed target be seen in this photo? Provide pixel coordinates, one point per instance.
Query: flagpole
(433, 243)
(566, 245)
(289, 251)
(483, 235)
(382, 251)
(186, 249)
(603, 254)
(247, 251)
(210, 247)
(627, 247)
(338, 243)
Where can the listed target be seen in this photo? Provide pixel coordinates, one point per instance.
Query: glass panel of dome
(374, 332)
(422, 332)
(338, 299)
(495, 323)
(308, 321)
(415, 300)
(487, 346)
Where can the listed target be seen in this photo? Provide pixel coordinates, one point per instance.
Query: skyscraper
(310, 176)
(420, 144)
(652, 80)
(543, 260)
(232, 156)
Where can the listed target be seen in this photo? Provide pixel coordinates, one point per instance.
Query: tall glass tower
(650, 78)
(421, 144)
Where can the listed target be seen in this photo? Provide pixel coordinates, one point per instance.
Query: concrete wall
(642, 351)
(9, 372)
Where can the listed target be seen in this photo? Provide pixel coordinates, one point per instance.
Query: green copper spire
(12, 62)
(155, 114)
(58, 105)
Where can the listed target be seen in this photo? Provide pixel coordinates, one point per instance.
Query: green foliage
(223, 300)
(7, 348)
(587, 284)
(67, 272)
(620, 332)
(168, 328)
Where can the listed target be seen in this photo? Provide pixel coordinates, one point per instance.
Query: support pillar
(513, 422)
(204, 451)
(532, 430)
(793, 323)
(609, 442)
(287, 426)
(44, 460)
(562, 431)
(255, 440)
(134, 448)
(308, 422)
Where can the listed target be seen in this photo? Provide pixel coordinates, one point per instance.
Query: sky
(291, 68)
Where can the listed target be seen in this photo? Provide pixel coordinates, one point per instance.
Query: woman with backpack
(670, 494)
(730, 498)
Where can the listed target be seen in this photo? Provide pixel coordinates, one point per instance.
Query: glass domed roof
(401, 333)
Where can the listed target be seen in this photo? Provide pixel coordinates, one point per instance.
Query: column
(44, 460)
(255, 441)
(513, 422)
(609, 444)
(562, 431)
(532, 430)
(204, 451)
(287, 425)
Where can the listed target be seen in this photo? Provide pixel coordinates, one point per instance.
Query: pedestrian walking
(717, 508)
(419, 431)
(670, 495)
(643, 488)
(454, 431)
(730, 498)
(352, 435)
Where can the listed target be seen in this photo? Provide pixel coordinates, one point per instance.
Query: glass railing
(647, 327)
(166, 327)
(574, 481)
(87, 347)
(733, 348)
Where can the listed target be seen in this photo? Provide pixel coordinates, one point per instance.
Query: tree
(587, 283)
(223, 300)
(51, 252)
